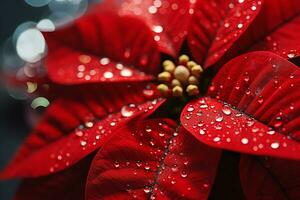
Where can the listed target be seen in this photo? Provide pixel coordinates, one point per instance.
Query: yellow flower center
(180, 79)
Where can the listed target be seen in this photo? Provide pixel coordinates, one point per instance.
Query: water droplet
(271, 132)
(254, 129)
(219, 118)
(126, 72)
(202, 132)
(104, 61)
(183, 174)
(83, 143)
(244, 141)
(260, 100)
(240, 25)
(79, 133)
(275, 145)
(81, 68)
(278, 122)
(217, 139)
(157, 29)
(89, 124)
(112, 123)
(116, 164)
(128, 111)
(108, 75)
(291, 55)
(226, 110)
(190, 109)
(148, 129)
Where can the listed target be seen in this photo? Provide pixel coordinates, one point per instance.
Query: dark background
(13, 126)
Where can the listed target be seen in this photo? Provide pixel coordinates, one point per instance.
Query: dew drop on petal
(108, 75)
(190, 109)
(128, 111)
(226, 110)
(83, 143)
(271, 132)
(104, 61)
(183, 174)
(217, 139)
(202, 132)
(219, 118)
(126, 72)
(275, 145)
(244, 141)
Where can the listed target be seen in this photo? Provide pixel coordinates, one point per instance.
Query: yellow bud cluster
(180, 78)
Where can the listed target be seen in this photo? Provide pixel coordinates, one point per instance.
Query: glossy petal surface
(275, 29)
(168, 19)
(152, 160)
(270, 178)
(102, 47)
(254, 110)
(65, 185)
(216, 25)
(72, 128)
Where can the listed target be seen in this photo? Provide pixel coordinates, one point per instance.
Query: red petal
(217, 25)
(270, 178)
(262, 92)
(168, 19)
(73, 128)
(102, 47)
(152, 159)
(284, 41)
(65, 185)
(275, 29)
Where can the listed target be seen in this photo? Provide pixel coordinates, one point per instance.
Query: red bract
(251, 105)
(74, 127)
(252, 110)
(154, 159)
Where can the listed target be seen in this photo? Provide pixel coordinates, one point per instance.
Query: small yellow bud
(191, 64)
(192, 90)
(176, 82)
(169, 68)
(177, 91)
(181, 73)
(193, 80)
(197, 70)
(164, 76)
(163, 88)
(183, 59)
(167, 62)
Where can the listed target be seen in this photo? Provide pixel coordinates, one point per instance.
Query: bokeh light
(37, 3)
(31, 45)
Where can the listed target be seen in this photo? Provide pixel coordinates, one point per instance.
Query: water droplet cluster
(221, 124)
(93, 132)
(164, 161)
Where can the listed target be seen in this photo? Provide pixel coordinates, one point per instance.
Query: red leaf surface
(65, 185)
(275, 29)
(168, 19)
(102, 47)
(254, 107)
(152, 159)
(216, 25)
(270, 178)
(73, 127)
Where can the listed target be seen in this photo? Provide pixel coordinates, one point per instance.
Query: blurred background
(22, 47)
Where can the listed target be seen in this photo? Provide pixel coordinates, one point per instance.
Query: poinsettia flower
(117, 51)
